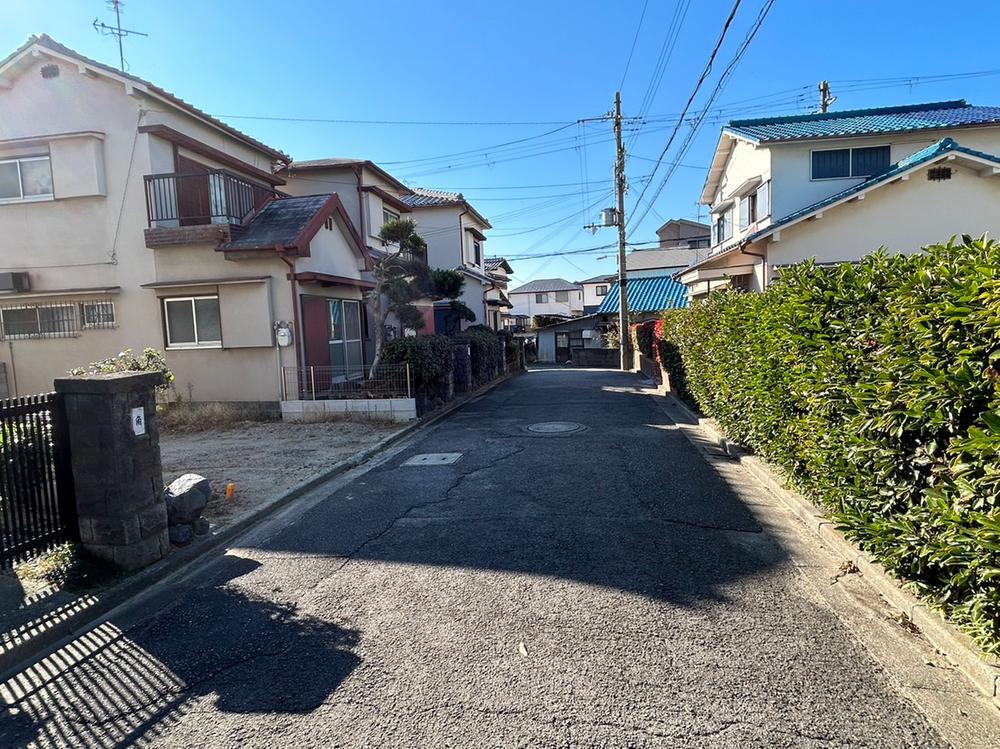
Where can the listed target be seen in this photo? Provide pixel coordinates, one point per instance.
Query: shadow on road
(109, 687)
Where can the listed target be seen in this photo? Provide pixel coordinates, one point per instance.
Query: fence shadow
(216, 646)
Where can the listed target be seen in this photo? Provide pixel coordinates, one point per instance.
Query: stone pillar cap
(112, 382)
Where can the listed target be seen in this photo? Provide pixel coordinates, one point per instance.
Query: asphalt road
(603, 588)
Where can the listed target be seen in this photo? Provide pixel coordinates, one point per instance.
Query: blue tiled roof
(931, 116)
(651, 294)
(943, 146)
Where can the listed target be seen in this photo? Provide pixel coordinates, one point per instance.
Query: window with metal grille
(98, 314)
(56, 320)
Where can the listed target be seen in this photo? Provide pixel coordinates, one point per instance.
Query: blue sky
(521, 70)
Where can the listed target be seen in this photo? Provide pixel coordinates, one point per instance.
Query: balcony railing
(216, 196)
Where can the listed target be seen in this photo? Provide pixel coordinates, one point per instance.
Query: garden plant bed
(263, 459)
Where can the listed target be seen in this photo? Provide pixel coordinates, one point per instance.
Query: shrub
(643, 336)
(876, 387)
(150, 360)
(431, 361)
(512, 349)
(486, 352)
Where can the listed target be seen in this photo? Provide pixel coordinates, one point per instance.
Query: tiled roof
(424, 198)
(652, 294)
(279, 224)
(44, 40)
(931, 116)
(545, 284)
(496, 263)
(601, 279)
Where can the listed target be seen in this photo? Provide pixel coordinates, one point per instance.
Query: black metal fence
(194, 198)
(37, 504)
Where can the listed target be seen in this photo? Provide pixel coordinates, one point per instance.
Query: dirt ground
(263, 459)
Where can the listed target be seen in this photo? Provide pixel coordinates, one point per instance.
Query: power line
(694, 93)
(638, 28)
(744, 46)
(434, 123)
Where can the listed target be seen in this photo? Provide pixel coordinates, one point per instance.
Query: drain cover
(555, 427)
(433, 459)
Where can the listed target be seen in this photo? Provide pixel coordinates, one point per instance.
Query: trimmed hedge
(431, 359)
(486, 351)
(876, 387)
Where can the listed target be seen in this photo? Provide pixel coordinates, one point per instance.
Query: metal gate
(37, 503)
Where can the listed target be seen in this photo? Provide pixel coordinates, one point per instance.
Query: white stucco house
(836, 186)
(498, 304)
(456, 240)
(554, 297)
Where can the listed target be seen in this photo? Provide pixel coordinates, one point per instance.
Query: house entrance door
(562, 348)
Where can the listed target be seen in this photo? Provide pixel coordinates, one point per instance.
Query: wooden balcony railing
(216, 196)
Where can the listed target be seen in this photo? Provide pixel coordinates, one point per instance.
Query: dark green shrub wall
(486, 351)
(876, 387)
(431, 362)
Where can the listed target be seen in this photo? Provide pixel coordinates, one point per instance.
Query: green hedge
(876, 387)
(486, 352)
(431, 359)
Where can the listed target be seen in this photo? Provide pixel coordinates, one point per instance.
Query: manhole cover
(555, 427)
(433, 459)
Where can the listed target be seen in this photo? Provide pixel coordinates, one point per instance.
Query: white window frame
(388, 215)
(98, 326)
(20, 181)
(850, 161)
(562, 301)
(28, 336)
(601, 290)
(171, 346)
(544, 297)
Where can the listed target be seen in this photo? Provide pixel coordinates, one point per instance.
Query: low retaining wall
(391, 409)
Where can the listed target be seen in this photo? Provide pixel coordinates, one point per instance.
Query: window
(346, 348)
(56, 321)
(388, 216)
(748, 210)
(562, 296)
(24, 179)
(541, 298)
(724, 226)
(849, 162)
(477, 252)
(764, 200)
(97, 314)
(602, 290)
(193, 322)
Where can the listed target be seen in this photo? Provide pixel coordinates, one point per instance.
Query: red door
(316, 330)
(194, 206)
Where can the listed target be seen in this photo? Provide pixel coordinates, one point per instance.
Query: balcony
(186, 207)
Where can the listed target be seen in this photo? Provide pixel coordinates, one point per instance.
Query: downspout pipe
(300, 348)
(763, 277)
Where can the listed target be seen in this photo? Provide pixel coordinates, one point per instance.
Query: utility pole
(116, 30)
(625, 338)
(825, 97)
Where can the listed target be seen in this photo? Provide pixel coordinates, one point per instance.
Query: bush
(512, 350)
(486, 352)
(876, 387)
(150, 360)
(431, 361)
(643, 334)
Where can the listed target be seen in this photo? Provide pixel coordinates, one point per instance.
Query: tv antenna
(116, 30)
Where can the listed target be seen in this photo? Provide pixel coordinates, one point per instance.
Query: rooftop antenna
(825, 97)
(116, 30)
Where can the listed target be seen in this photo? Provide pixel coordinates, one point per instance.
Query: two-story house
(594, 290)
(836, 186)
(130, 218)
(372, 197)
(498, 304)
(553, 297)
(456, 240)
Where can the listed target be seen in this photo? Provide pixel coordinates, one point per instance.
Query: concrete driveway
(606, 587)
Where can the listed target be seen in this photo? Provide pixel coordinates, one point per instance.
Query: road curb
(982, 670)
(91, 607)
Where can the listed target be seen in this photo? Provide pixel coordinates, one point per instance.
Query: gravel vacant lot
(263, 459)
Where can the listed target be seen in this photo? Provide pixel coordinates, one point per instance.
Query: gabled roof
(651, 294)
(496, 263)
(47, 43)
(943, 149)
(857, 122)
(312, 165)
(290, 224)
(422, 197)
(606, 278)
(545, 284)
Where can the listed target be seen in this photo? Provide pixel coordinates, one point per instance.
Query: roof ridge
(821, 116)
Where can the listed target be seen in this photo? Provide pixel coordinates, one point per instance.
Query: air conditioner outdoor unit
(15, 282)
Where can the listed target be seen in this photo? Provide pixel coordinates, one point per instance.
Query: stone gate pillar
(115, 446)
